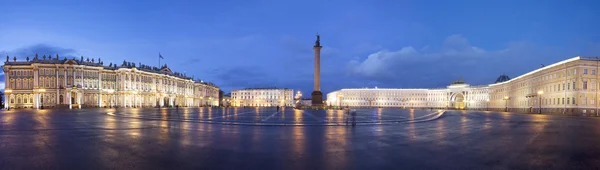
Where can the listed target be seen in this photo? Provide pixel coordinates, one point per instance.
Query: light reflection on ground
(286, 116)
(185, 138)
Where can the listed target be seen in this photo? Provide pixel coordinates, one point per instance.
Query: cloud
(241, 77)
(41, 50)
(455, 57)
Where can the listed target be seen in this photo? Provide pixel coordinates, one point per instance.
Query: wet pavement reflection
(208, 138)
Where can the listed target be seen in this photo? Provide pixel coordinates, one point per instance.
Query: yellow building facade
(53, 82)
(262, 97)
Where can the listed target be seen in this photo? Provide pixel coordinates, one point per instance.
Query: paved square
(250, 138)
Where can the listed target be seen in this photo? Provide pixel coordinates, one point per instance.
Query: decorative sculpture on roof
(15, 58)
(7, 58)
(44, 57)
(57, 56)
(49, 57)
(81, 59)
(92, 60)
(87, 59)
(27, 58)
(110, 65)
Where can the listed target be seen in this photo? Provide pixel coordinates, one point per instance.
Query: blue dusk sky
(266, 43)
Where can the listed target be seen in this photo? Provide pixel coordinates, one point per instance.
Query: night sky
(268, 43)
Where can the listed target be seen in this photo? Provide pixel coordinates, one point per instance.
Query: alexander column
(317, 96)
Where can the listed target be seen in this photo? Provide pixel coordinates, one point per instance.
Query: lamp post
(506, 103)
(540, 100)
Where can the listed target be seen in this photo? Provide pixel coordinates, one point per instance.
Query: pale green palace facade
(76, 83)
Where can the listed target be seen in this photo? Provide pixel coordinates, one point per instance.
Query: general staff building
(568, 87)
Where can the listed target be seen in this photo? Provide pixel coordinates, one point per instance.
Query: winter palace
(567, 87)
(75, 83)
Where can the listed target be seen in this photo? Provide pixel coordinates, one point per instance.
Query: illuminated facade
(263, 97)
(569, 87)
(54, 82)
(458, 95)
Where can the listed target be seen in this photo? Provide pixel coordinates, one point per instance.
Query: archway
(166, 102)
(457, 101)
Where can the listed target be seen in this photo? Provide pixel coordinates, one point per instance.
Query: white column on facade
(70, 101)
(73, 71)
(161, 101)
(100, 99)
(37, 101)
(35, 78)
(65, 78)
(56, 102)
(81, 80)
(7, 86)
(99, 88)
(6, 96)
(124, 96)
(79, 98)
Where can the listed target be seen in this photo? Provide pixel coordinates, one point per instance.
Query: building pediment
(166, 70)
(72, 62)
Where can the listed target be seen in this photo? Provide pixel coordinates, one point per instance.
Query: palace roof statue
(164, 69)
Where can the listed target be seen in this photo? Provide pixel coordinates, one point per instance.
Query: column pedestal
(317, 99)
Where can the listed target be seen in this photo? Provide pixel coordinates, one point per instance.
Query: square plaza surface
(208, 138)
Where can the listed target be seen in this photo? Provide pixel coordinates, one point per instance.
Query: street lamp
(540, 100)
(506, 103)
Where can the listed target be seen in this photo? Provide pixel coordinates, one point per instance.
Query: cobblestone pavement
(215, 138)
